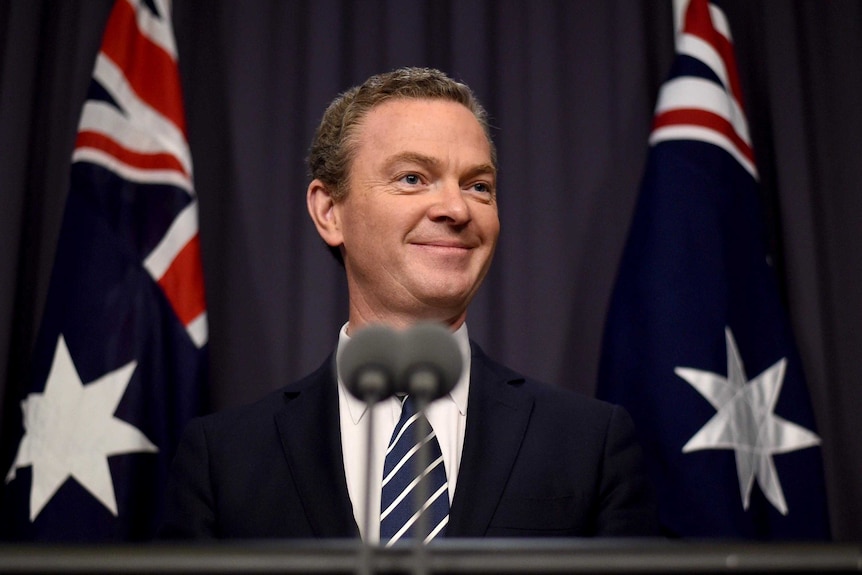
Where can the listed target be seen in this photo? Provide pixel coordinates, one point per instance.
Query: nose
(450, 205)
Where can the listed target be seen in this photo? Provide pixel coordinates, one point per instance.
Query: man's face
(419, 224)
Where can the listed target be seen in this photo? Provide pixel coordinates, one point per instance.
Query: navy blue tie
(403, 482)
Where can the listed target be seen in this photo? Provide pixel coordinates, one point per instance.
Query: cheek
(357, 222)
(372, 233)
(489, 224)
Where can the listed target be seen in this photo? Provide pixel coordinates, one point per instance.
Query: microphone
(423, 361)
(431, 367)
(430, 362)
(370, 363)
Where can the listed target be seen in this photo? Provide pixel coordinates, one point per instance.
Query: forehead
(414, 122)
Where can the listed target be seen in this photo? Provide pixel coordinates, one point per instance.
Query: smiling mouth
(444, 247)
(444, 253)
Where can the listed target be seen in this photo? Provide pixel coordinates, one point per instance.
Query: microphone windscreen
(369, 363)
(431, 348)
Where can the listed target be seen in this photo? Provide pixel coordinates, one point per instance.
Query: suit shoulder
(563, 403)
(555, 398)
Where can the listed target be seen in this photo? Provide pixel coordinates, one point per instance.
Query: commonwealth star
(71, 431)
(746, 422)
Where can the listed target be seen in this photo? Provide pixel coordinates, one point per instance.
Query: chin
(447, 303)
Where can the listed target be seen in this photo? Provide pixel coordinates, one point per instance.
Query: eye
(411, 179)
(481, 188)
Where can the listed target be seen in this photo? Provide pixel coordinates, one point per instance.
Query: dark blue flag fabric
(697, 345)
(120, 358)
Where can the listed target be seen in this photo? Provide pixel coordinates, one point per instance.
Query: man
(404, 191)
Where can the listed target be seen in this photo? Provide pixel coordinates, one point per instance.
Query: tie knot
(408, 406)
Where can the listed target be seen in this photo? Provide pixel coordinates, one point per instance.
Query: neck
(358, 320)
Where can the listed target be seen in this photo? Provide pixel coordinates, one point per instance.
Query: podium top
(445, 556)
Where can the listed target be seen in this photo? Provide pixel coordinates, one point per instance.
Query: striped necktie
(403, 482)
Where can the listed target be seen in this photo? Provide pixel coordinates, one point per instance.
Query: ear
(321, 208)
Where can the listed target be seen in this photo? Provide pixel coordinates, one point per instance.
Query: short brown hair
(333, 147)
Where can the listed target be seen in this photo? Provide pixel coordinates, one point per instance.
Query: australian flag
(697, 345)
(120, 357)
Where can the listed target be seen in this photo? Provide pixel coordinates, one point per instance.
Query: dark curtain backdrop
(570, 85)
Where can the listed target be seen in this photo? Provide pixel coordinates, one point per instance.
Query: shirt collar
(458, 395)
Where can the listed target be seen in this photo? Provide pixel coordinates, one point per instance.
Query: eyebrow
(483, 169)
(431, 162)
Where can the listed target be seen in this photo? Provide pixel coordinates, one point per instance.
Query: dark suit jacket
(537, 461)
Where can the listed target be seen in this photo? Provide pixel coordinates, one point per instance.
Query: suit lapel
(497, 417)
(310, 433)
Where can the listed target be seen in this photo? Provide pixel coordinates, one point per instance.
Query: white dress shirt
(447, 415)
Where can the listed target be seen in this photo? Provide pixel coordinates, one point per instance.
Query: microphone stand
(420, 494)
(421, 384)
(365, 566)
(372, 380)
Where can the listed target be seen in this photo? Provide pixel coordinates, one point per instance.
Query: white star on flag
(746, 422)
(71, 431)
